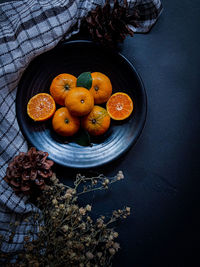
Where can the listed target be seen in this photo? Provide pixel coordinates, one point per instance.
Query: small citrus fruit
(64, 123)
(60, 86)
(119, 106)
(97, 121)
(41, 107)
(79, 101)
(101, 87)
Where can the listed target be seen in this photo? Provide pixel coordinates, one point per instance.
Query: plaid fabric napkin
(27, 29)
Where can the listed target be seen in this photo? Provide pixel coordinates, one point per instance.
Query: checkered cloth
(27, 29)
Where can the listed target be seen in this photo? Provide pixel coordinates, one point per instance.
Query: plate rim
(141, 123)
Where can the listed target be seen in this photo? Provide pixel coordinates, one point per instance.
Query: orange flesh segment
(119, 106)
(41, 107)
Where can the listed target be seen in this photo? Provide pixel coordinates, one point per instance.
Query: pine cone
(109, 25)
(29, 171)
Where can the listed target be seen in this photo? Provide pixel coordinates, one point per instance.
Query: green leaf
(84, 80)
(82, 138)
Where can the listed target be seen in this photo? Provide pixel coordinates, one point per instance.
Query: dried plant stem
(68, 235)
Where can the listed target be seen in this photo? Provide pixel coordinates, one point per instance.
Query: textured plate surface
(76, 57)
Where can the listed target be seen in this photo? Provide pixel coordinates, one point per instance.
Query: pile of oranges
(80, 101)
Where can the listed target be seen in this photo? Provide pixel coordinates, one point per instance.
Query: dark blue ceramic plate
(76, 57)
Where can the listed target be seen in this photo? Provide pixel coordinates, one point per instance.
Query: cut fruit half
(41, 107)
(119, 106)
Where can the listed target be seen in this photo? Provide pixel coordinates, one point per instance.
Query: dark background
(161, 171)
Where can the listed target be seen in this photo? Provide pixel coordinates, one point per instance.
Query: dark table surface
(162, 169)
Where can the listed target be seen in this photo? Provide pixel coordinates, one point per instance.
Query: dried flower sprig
(68, 235)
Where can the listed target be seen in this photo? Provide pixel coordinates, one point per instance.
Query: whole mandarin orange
(101, 87)
(79, 101)
(97, 121)
(60, 86)
(64, 123)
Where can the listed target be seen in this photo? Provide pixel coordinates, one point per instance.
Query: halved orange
(41, 107)
(119, 106)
